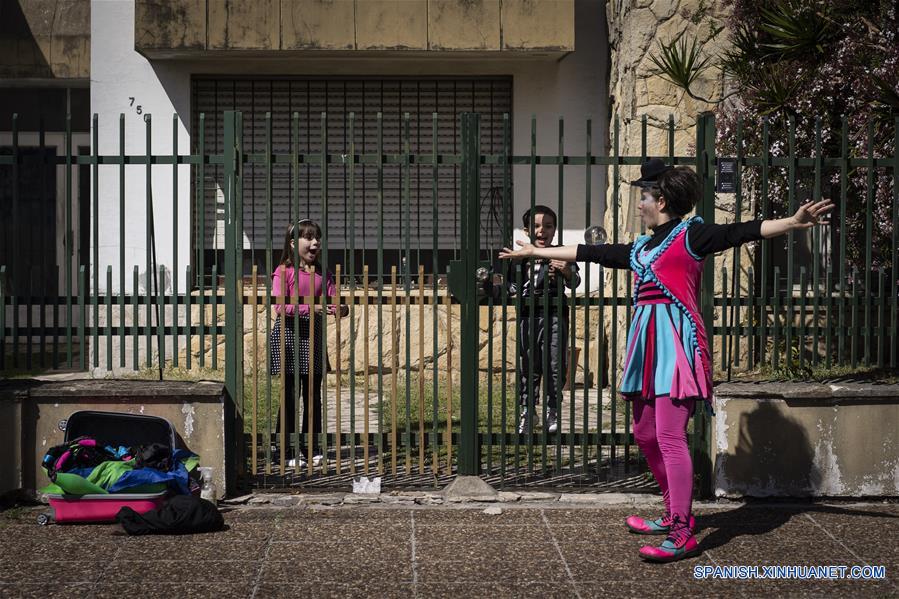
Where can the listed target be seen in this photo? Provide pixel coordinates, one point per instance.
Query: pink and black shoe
(679, 544)
(659, 526)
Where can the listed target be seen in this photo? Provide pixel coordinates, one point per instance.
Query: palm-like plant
(680, 64)
(795, 30)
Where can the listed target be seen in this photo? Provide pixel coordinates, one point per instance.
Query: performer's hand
(527, 250)
(811, 213)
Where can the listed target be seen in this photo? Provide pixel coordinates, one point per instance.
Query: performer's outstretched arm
(806, 217)
(611, 255)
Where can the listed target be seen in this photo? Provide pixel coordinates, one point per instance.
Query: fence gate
(422, 381)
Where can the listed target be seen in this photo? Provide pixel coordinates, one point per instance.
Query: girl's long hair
(306, 229)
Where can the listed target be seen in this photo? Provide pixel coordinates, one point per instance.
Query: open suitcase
(109, 428)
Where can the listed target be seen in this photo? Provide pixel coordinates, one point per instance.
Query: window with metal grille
(299, 195)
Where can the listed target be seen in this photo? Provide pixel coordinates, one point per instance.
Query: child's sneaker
(659, 526)
(680, 544)
(524, 425)
(317, 460)
(552, 421)
(296, 463)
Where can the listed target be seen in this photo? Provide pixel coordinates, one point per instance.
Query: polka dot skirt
(292, 341)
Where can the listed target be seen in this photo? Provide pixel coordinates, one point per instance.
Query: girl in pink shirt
(299, 275)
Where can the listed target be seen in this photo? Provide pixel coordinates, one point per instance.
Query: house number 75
(138, 109)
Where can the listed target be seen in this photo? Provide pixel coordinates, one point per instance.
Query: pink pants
(660, 429)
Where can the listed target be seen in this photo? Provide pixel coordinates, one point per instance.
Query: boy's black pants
(554, 329)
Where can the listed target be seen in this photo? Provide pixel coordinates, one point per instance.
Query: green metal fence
(423, 382)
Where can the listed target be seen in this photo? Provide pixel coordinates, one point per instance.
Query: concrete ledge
(203, 419)
(457, 501)
(806, 440)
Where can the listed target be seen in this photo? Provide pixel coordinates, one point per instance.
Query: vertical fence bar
(4, 291)
(109, 318)
(588, 171)
(435, 299)
(881, 318)
(532, 309)
(447, 301)
(613, 386)
(366, 424)
(352, 302)
(82, 317)
(737, 289)
(828, 331)
(324, 290)
(282, 391)
(854, 333)
(562, 316)
(188, 317)
(214, 308)
(803, 290)
(69, 253)
(254, 444)
(95, 237)
(775, 353)
(894, 264)
(17, 242)
(148, 227)
(421, 369)
(380, 285)
(405, 177)
(750, 310)
(791, 236)
(844, 190)
(469, 448)
(507, 241)
(122, 284)
(201, 237)
(338, 408)
(174, 270)
(816, 251)
(44, 290)
(869, 242)
(269, 269)
(394, 366)
(766, 245)
(135, 319)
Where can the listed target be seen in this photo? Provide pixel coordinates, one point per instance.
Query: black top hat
(650, 171)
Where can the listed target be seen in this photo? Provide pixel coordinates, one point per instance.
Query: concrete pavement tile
(351, 550)
(59, 569)
(325, 569)
(508, 571)
(45, 590)
(213, 547)
(182, 589)
(512, 590)
(464, 517)
(361, 590)
(177, 567)
(477, 552)
(484, 534)
(323, 532)
(642, 589)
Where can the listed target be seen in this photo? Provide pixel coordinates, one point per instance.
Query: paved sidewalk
(555, 549)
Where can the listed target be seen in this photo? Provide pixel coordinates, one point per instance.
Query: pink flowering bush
(822, 65)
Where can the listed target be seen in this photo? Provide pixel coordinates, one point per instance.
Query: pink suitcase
(109, 428)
